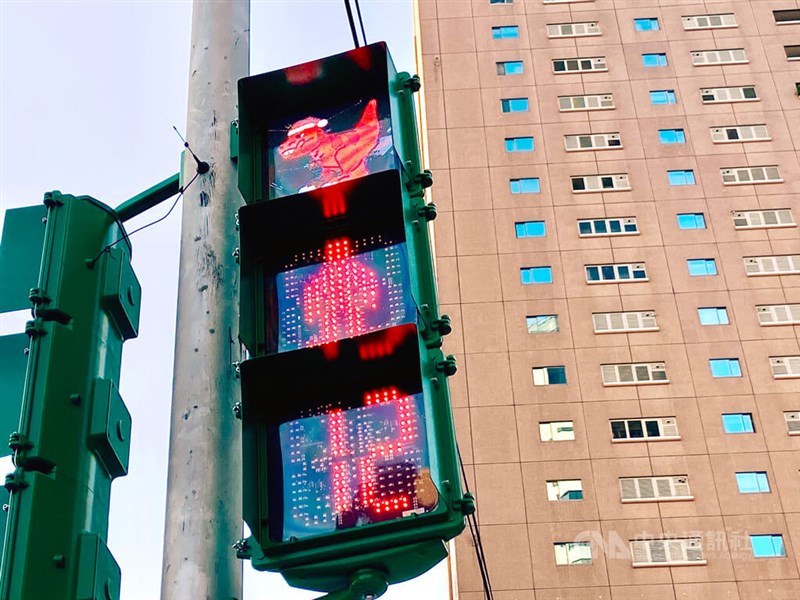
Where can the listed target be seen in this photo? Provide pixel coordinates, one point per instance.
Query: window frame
(729, 100)
(645, 318)
(717, 57)
(501, 29)
(533, 274)
(515, 141)
(522, 182)
(651, 367)
(683, 176)
(620, 182)
(792, 52)
(792, 418)
(592, 29)
(555, 484)
(656, 481)
(608, 223)
(650, 21)
(718, 310)
(760, 479)
(795, 12)
(662, 423)
(580, 63)
(526, 233)
(670, 97)
(793, 261)
(645, 548)
(720, 134)
(616, 268)
(746, 420)
(777, 545)
(725, 368)
(553, 429)
(686, 20)
(659, 57)
(709, 266)
(788, 363)
(566, 547)
(553, 318)
(546, 375)
(777, 319)
(679, 135)
(695, 215)
(599, 98)
(503, 65)
(508, 103)
(592, 138)
(747, 215)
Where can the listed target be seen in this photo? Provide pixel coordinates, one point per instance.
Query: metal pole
(204, 482)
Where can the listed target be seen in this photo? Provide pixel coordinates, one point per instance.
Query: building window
(702, 267)
(671, 552)
(657, 59)
(709, 21)
(663, 97)
(713, 315)
(571, 30)
(740, 133)
(785, 367)
(637, 430)
(654, 489)
(671, 136)
(681, 177)
(505, 32)
(520, 144)
(755, 266)
(579, 65)
(725, 367)
(646, 24)
(738, 423)
(564, 490)
(550, 375)
(778, 314)
(542, 323)
(589, 141)
(691, 221)
(792, 422)
(587, 102)
(618, 322)
(607, 227)
(530, 275)
(792, 52)
(556, 431)
(600, 183)
(501, 1)
(786, 17)
(524, 185)
(510, 67)
(745, 93)
(530, 229)
(762, 219)
(573, 553)
(752, 482)
(767, 546)
(751, 175)
(512, 105)
(616, 273)
(634, 374)
(704, 58)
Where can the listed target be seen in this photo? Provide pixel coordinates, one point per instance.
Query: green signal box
(74, 430)
(350, 469)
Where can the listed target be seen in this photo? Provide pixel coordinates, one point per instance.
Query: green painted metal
(149, 198)
(74, 430)
(13, 361)
(401, 549)
(20, 255)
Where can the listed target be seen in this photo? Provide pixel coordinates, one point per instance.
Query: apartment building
(618, 185)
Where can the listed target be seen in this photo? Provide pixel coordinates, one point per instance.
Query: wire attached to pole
(352, 22)
(361, 22)
(475, 532)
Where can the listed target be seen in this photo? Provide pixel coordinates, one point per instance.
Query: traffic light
(74, 431)
(350, 468)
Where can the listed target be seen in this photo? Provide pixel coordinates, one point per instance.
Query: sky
(89, 93)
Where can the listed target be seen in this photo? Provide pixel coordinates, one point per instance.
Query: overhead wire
(352, 22)
(475, 532)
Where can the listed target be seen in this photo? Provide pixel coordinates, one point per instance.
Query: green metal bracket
(365, 584)
(148, 198)
(235, 140)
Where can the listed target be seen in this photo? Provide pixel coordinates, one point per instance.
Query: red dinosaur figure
(340, 156)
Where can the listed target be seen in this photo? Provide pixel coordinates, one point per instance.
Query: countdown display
(346, 295)
(319, 150)
(344, 468)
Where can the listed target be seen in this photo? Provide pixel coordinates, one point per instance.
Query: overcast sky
(89, 92)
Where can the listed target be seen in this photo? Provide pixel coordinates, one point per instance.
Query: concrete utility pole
(204, 484)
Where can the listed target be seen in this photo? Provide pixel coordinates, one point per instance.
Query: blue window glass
(671, 136)
(646, 24)
(585, 227)
(663, 97)
(716, 315)
(542, 323)
(556, 375)
(767, 546)
(655, 59)
(525, 185)
(501, 1)
(530, 229)
(530, 275)
(519, 144)
(510, 105)
(691, 221)
(725, 367)
(752, 482)
(511, 67)
(701, 267)
(505, 32)
(681, 177)
(738, 423)
(593, 273)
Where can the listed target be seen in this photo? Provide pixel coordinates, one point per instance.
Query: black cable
(361, 22)
(352, 22)
(475, 532)
(125, 236)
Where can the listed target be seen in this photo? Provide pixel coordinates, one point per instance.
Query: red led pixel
(338, 297)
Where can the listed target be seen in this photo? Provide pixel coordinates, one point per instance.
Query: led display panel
(345, 295)
(319, 150)
(348, 467)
